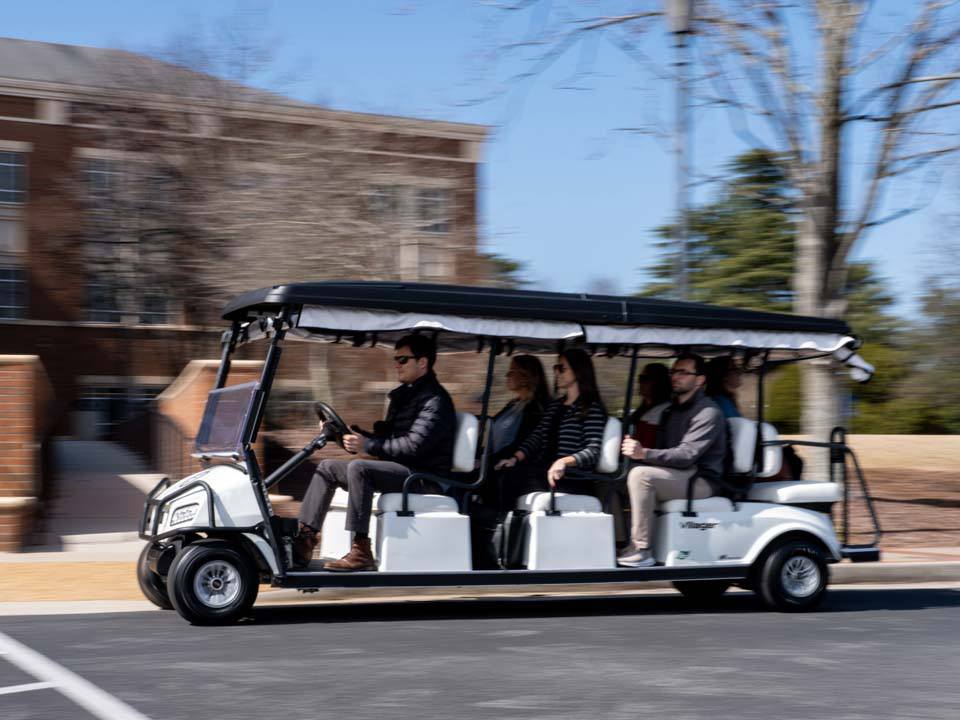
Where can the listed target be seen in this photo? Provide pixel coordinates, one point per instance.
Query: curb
(895, 572)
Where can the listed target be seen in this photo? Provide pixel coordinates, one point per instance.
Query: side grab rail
(839, 451)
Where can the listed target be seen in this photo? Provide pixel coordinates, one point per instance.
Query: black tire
(702, 591)
(794, 576)
(212, 582)
(153, 586)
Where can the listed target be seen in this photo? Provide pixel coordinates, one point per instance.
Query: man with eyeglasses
(417, 435)
(691, 444)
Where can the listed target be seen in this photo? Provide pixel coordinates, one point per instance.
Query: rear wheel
(702, 591)
(794, 576)
(212, 582)
(152, 585)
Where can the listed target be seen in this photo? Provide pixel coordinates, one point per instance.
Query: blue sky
(561, 188)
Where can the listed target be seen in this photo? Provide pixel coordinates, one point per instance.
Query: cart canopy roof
(380, 312)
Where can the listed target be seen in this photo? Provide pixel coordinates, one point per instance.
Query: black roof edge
(581, 308)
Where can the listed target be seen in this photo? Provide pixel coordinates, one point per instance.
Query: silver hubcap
(800, 576)
(217, 584)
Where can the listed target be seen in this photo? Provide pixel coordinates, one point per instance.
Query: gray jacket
(692, 433)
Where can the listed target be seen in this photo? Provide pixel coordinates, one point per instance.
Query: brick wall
(25, 396)
(180, 407)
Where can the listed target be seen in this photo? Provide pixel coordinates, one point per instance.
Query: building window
(385, 202)
(13, 172)
(435, 264)
(153, 308)
(13, 292)
(102, 179)
(103, 302)
(433, 211)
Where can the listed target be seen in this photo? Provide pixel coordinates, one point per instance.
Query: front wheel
(211, 582)
(153, 586)
(793, 578)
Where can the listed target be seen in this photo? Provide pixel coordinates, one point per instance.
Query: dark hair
(699, 364)
(421, 346)
(659, 378)
(582, 367)
(717, 370)
(533, 369)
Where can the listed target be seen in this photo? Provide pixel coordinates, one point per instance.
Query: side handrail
(839, 451)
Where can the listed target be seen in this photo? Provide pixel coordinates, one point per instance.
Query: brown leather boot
(359, 558)
(304, 544)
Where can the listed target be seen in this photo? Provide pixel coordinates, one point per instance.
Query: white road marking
(11, 689)
(84, 693)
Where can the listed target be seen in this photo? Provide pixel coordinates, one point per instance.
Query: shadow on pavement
(836, 601)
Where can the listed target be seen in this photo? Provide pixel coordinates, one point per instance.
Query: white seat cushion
(609, 461)
(710, 504)
(392, 502)
(465, 442)
(793, 492)
(743, 442)
(540, 501)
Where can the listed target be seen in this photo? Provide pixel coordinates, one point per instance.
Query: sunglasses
(403, 359)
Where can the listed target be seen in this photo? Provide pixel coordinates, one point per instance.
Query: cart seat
(796, 492)
(710, 504)
(743, 440)
(392, 502)
(566, 503)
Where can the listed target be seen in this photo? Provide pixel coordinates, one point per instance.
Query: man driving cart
(417, 435)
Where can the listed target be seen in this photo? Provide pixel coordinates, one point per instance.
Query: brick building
(136, 195)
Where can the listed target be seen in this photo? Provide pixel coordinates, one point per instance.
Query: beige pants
(647, 486)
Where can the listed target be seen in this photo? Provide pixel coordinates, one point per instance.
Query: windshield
(225, 418)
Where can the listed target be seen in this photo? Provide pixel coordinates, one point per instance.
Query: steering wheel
(334, 426)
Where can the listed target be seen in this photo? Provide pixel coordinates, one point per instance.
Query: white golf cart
(213, 537)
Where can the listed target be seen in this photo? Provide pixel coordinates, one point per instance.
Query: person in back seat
(692, 444)
(655, 393)
(569, 435)
(723, 381)
(417, 435)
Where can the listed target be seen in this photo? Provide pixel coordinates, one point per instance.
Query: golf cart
(212, 537)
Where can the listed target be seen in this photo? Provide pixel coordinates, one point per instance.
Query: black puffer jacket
(419, 428)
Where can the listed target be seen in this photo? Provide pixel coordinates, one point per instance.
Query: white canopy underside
(330, 324)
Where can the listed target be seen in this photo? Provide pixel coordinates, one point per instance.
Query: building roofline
(295, 112)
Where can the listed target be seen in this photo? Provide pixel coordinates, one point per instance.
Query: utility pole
(679, 15)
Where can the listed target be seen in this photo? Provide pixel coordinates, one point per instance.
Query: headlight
(184, 514)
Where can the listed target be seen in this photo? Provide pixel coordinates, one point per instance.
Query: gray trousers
(648, 484)
(361, 479)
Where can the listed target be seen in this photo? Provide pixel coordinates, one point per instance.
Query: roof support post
(228, 342)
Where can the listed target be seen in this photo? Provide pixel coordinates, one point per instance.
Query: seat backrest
(743, 439)
(609, 461)
(465, 442)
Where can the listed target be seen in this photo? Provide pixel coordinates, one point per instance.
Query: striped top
(580, 436)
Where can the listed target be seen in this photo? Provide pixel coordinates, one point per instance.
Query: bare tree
(893, 90)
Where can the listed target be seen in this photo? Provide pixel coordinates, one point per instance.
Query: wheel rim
(800, 576)
(217, 584)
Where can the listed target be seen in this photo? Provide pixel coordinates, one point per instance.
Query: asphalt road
(889, 653)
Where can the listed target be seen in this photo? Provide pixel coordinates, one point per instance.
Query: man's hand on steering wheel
(352, 444)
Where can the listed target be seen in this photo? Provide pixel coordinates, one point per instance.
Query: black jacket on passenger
(419, 428)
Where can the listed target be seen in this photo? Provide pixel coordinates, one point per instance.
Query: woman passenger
(569, 435)
(655, 393)
(723, 381)
(511, 426)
